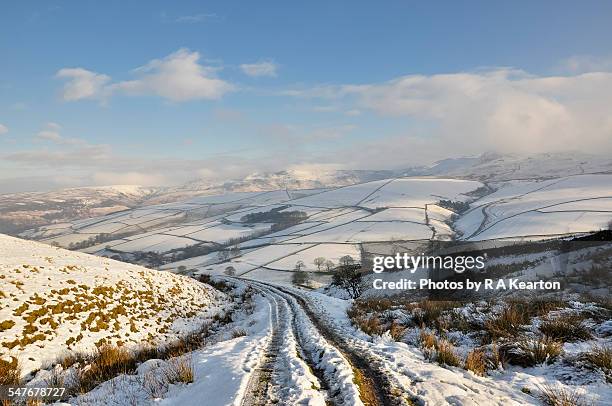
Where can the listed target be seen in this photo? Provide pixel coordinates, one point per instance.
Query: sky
(164, 92)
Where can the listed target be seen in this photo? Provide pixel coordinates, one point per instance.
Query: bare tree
(329, 265)
(346, 260)
(319, 261)
(230, 271)
(299, 277)
(223, 255)
(349, 278)
(235, 251)
(299, 265)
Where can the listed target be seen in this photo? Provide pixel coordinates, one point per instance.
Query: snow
(53, 285)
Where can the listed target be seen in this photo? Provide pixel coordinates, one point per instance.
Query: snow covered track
(351, 374)
(300, 366)
(375, 383)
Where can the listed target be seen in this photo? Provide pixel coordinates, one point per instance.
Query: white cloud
(177, 77)
(82, 84)
(500, 109)
(261, 68)
(3, 129)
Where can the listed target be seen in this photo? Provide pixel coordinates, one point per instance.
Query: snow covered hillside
(53, 301)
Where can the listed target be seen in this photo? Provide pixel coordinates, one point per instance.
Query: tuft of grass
(427, 339)
(105, 363)
(446, 354)
(567, 327)
(397, 331)
(601, 357)
(530, 352)
(508, 323)
(10, 372)
(476, 361)
(179, 370)
(559, 396)
(239, 332)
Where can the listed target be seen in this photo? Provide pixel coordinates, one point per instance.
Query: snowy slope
(53, 301)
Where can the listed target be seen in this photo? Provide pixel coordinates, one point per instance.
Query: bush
(567, 327)
(476, 361)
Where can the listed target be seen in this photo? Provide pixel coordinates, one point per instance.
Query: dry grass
(559, 396)
(567, 327)
(446, 355)
(530, 352)
(10, 372)
(105, 363)
(397, 331)
(179, 370)
(476, 361)
(427, 340)
(239, 332)
(601, 357)
(428, 312)
(508, 323)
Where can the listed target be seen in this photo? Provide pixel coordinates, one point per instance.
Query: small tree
(329, 265)
(319, 262)
(230, 271)
(349, 278)
(346, 260)
(299, 277)
(299, 265)
(223, 255)
(235, 251)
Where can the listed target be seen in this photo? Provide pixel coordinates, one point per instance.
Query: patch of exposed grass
(559, 396)
(476, 361)
(566, 327)
(601, 357)
(179, 370)
(530, 352)
(446, 355)
(10, 372)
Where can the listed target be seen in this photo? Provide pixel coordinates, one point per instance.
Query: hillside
(53, 301)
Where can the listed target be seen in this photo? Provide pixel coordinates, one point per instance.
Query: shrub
(559, 396)
(476, 362)
(567, 327)
(530, 352)
(106, 362)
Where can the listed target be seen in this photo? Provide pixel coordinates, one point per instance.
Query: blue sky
(160, 92)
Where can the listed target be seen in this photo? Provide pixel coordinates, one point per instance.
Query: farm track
(372, 380)
(261, 388)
